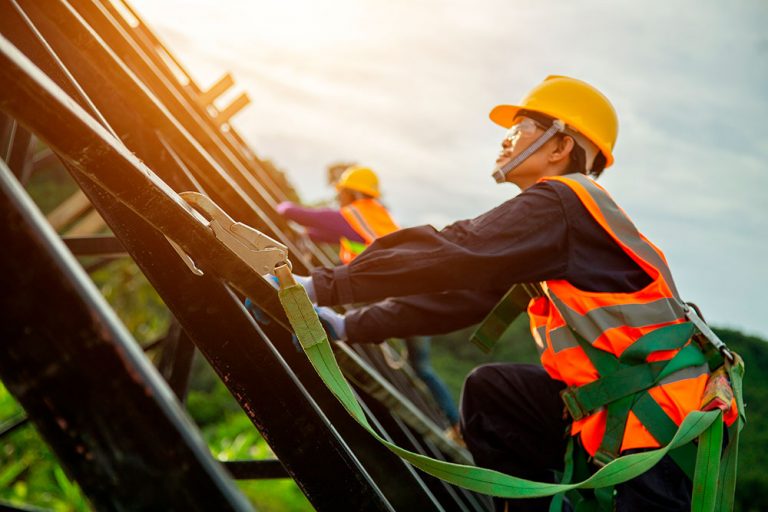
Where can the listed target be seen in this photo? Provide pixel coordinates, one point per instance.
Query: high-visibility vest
(370, 220)
(612, 322)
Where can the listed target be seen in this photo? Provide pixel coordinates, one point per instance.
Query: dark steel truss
(103, 94)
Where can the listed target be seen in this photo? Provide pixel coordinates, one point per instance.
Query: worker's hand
(333, 323)
(272, 280)
(304, 281)
(309, 286)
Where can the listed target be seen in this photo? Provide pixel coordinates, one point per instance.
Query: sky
(405, 87)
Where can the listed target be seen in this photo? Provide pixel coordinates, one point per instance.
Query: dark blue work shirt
(440, 281)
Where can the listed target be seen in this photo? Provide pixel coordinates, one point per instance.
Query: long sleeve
(521, 240)
(323, 224)
(417, 315)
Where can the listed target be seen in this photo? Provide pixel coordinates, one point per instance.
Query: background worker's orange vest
(612, 322)
(370, 220)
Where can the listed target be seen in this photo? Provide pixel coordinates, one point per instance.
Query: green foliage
(134, 300)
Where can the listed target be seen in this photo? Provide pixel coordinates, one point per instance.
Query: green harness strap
(511, 305)
(622, 384)
(313, 339)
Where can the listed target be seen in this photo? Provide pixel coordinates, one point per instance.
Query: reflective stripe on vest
(370, 220)
(618, 225)
(592, 325)
(612, 322)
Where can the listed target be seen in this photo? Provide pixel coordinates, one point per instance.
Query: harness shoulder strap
(495, 324)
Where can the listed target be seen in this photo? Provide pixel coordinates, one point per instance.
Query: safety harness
(714, 481)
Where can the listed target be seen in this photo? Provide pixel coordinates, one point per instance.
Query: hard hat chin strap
(500, 174)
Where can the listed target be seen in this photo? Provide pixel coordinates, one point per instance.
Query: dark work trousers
(512, 421)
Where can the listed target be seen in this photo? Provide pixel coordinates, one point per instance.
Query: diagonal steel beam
(136, 206)
(79, 375)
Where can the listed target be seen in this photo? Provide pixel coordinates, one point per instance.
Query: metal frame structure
(91, 81)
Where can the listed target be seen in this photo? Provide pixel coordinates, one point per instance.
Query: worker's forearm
(324, 224)
(521, 240)
(418, 315)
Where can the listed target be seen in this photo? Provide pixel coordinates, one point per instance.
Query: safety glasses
(523, 126)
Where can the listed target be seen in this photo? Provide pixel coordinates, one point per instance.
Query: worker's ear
(561, 149)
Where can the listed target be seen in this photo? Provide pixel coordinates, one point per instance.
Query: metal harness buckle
(572, 403)
(257, 250)
(692, 313)
(602, 457)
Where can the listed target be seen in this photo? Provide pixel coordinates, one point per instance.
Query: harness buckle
(572, 403)
(257, 250)
(603, 457)
(718, 394)
(693, 314)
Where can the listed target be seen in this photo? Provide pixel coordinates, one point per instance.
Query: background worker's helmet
(361, 179)
(582, 107)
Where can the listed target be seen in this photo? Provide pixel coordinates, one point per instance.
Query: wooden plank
(69, 210)
(88, 225)
(233, 108)
(216, 90)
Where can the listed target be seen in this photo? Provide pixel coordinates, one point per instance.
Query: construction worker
(361, 219)
(604, 287)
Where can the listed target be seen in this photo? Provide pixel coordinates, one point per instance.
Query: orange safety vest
(612, 322)
(370, 220)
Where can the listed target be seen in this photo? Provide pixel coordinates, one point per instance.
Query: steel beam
(131, 106)
(100, 245)
(256, 469)
(176, 360)
(137, 205)
(256, 184)
(31, 96)
(79, 376)
(372, 465)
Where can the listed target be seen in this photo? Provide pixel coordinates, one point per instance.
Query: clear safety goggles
(523, 126)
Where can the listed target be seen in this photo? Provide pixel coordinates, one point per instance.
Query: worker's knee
(479, 378)
(480, 388)
(511, 393)
(488, 377)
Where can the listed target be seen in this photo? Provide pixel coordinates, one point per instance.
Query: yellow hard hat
(582, 107)
(362, 179)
